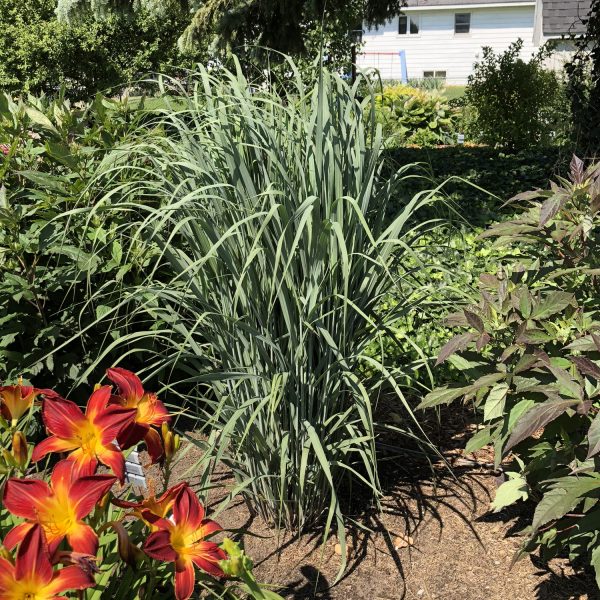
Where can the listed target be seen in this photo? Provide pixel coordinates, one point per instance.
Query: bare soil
(435, 539)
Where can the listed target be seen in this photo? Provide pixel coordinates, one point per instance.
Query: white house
(443, 38)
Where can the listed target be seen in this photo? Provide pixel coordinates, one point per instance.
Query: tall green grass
(267, 213)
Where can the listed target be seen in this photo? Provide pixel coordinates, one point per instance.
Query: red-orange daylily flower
(150, 411)
(59, 507)
(16, 400)
(88, 437)
(159, 507)
(32, 575)
(181, 539)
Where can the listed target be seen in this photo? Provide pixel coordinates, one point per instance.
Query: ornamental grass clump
(269, 213)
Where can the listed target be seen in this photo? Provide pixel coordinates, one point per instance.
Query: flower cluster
(61, 519)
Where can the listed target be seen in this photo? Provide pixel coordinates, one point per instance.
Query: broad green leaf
(593, 437)
(40, 119)
(443, 395)
(494, 404)
(553, 303)
(482, 438)
(510, 492)
(563, 497)
(595, 562)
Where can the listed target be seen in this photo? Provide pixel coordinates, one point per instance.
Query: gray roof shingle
(562, 17)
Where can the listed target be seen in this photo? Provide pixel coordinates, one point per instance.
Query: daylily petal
(86, 492)
(208, 527)
(206, 556)
(131, 434)
(7, 574)
(82, 538)
(128, 383)
(62, 417)
(185, 578)
(22, 497)
(84, 465)
(62, 476)
(153, 445)
(16, 535)
(52, 444)
(114, 460)
(158, 546)
(33, 558)
(187, 508)
(97, 402)
(152, 411)
(112, 420)
(69, 578)
(156, 521)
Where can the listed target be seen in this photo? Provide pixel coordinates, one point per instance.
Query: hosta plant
(530, 350)
(415, 116)
(65, 512)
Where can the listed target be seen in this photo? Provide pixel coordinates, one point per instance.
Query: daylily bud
(103, 501)
(20, 451)
(9, 459)
(171, 441)
(128, 551)
(5, 554)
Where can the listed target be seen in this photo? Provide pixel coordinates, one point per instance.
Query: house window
(462, 22)
(408, 25)
(434, 74)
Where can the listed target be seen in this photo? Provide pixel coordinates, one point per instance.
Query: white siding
(437, 48)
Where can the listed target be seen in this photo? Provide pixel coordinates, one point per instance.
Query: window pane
(402, 24)
(428, 74)
(440, 74)
(414, 25)
(462, 22)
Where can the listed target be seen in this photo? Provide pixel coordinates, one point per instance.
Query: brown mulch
(434, 539)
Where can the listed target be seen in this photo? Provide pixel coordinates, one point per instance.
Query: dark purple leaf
(576, 168)
(586, 366)
(474, 320)
(456, 344)
(536, 418)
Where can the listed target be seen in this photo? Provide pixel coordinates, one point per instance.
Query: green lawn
(454, 91)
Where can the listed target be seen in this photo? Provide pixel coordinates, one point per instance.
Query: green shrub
(269, 214)
(39, 54)
(516, 103)
(51, 256)
(530, 350)
(477, 180)
(414, 116)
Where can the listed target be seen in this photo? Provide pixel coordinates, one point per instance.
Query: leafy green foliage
(414, 116)
(530, 351)
(477, 181)
(51, 254)
(517, 104)
(39, 54)
(294, 27)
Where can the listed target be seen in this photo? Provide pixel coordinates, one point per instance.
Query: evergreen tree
(284, 25)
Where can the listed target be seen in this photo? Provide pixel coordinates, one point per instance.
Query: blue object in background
(403, 69)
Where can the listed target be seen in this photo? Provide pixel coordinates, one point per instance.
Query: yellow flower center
(88, 439)
(183, 540)
(57, 516)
